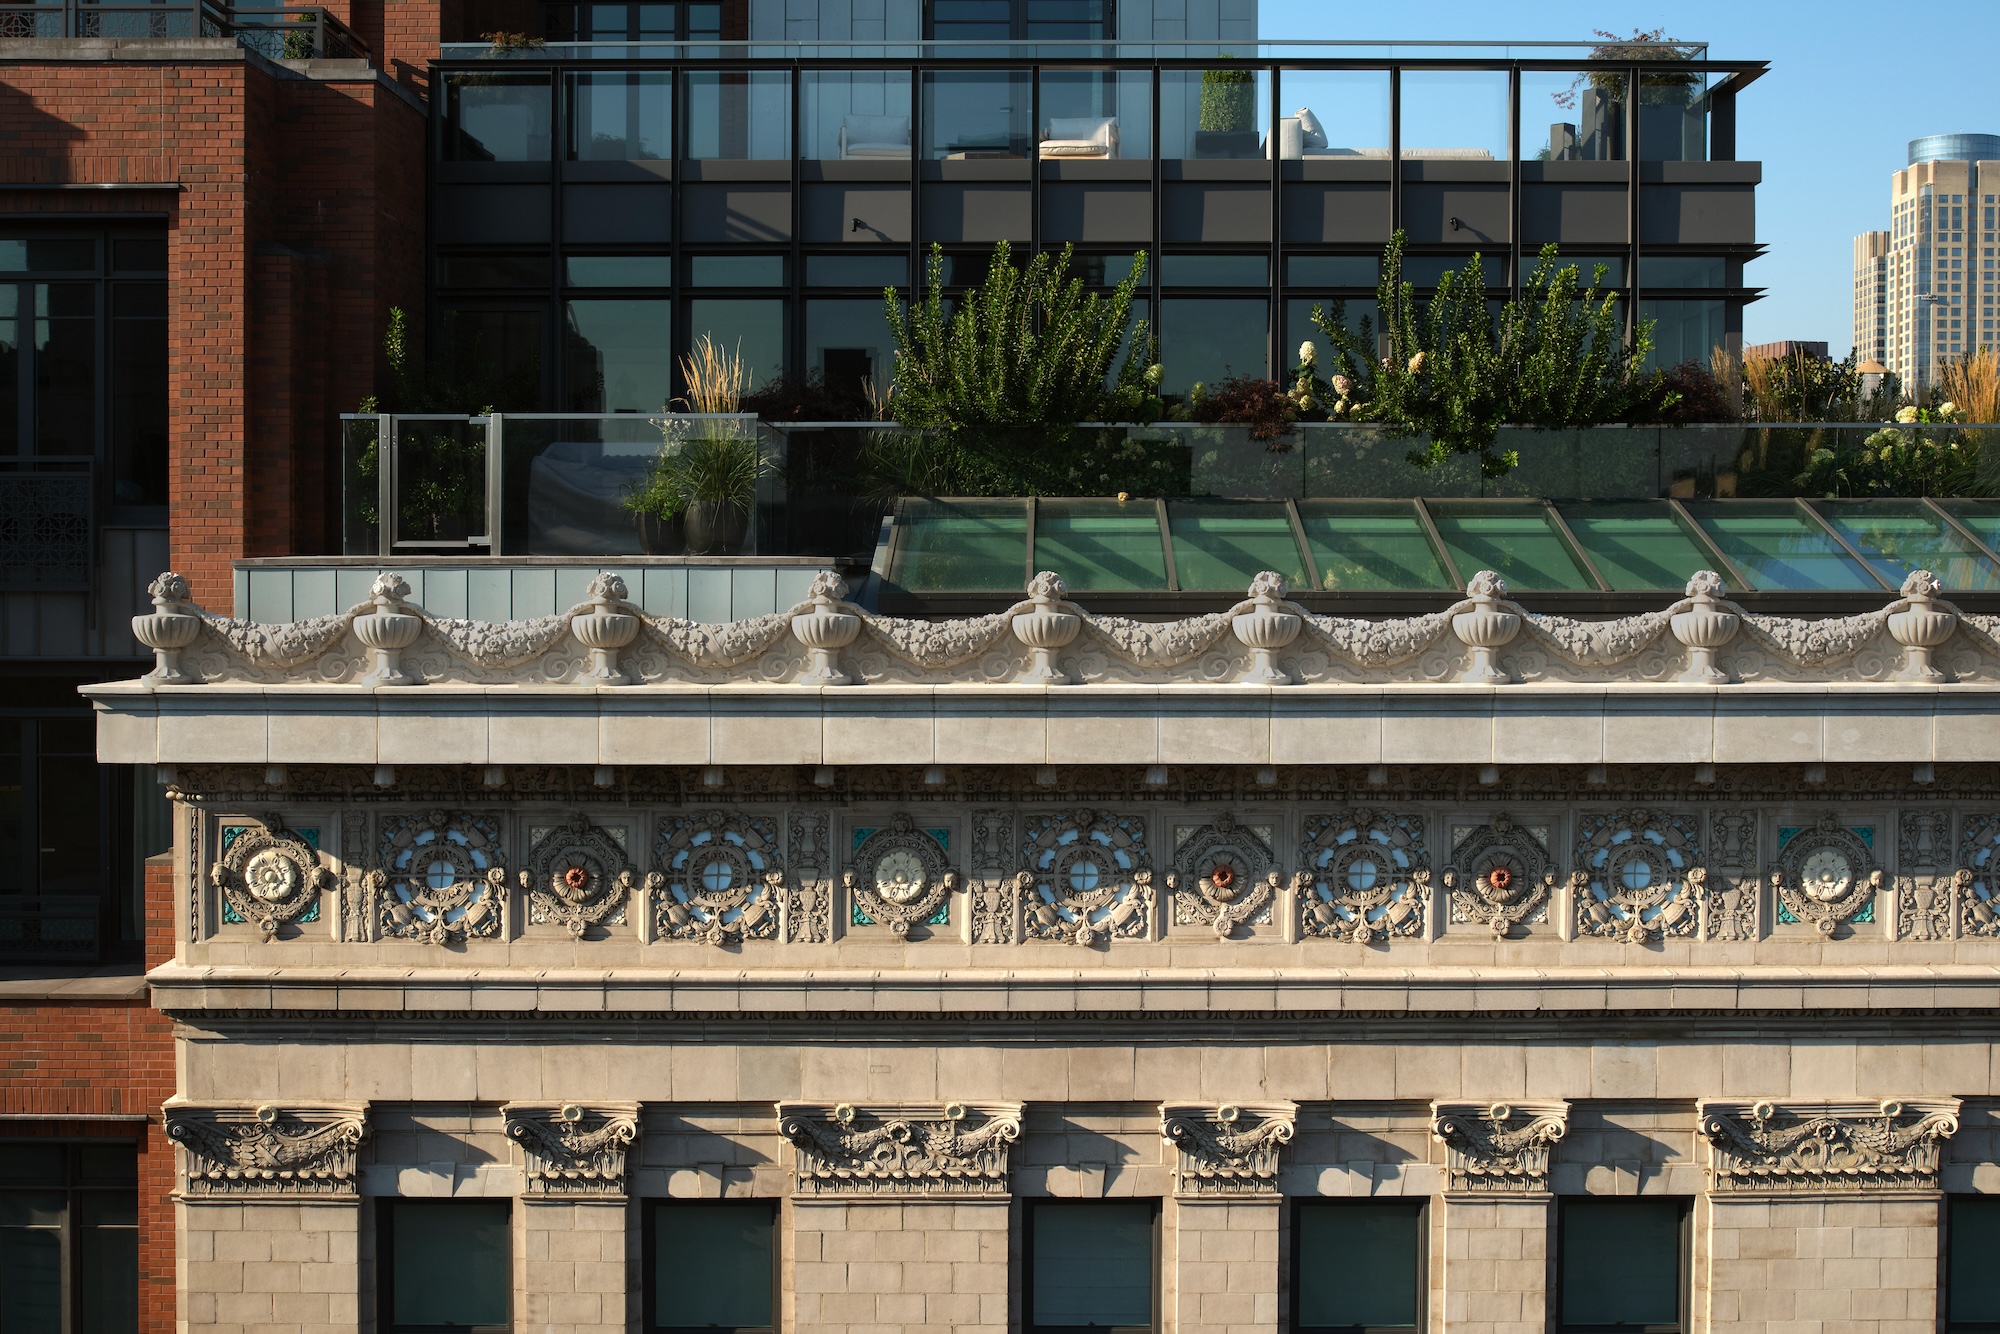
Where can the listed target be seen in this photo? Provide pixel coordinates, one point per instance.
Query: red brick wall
(65, 1060)
(297, 222)
(62, 1060)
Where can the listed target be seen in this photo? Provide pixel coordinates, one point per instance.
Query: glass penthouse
(647, 173)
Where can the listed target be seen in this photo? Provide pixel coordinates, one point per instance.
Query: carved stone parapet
(1229, 1149)
(1046, 628)
(1921, 627)
(575, 1151)
(1704, 627)
(1485, 628)
(1264, 628)
(1826, 1147)
(959, 1149)
(825, 627)
(1498, 1148)
(298, 1154)
(169, 628)
(387, 630)
(604, 629)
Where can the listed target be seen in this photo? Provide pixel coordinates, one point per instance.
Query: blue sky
(1850, 85)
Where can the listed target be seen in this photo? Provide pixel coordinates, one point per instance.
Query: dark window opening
(1358, 1267)
(74, 836)
(1093, 1268)
(445, 1265)
(69, 1238)
(1623, 1266)
(685, 21)
(83, 360)
(711, 1266)
(1972, 1239)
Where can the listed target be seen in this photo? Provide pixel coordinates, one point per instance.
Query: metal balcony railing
(275, 31)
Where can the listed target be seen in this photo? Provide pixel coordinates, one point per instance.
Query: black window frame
(107, 279)
(385, 1265)
(1946, 1220)
(74, 1185)
(1296, 1260)
(649, 1277)
(121, 870)
(1018, 14)
(1029, 1207)
(1683, 1253)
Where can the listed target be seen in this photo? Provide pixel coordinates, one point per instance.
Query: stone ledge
(1056, 993)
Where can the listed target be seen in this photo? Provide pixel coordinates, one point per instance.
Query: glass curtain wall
(855, 115)
(1334, 114)
(1216, 113)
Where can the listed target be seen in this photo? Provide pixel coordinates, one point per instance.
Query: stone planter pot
(825, 631)
(167, 633)
(1265, 629)
(604, 632)
(1485, 629)
(387, 634)
(1703, 629)
(1921, 630)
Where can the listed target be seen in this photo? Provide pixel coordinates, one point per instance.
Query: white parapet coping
(1481, 681)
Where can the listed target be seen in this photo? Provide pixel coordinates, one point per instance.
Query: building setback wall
(294, 210)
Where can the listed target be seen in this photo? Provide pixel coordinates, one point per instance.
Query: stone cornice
(722, 992)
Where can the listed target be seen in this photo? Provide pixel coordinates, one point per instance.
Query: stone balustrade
(1485, 638)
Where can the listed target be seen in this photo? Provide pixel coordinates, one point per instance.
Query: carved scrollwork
(268, 1151)
(1222, 877)
(1979, 862)
(1826, 876)
(1500, 877)
(441, 878)
(1732, 897)
(991, 893)
(269, 876)
(1499, 1147)
(578, 877)
(720, 878)
(574, 1151)
(1227, 1150)
(1768, 1146)
(1642, 877)
(900, 877)
(1367, 877)
(1089, 878)
(957, 1149)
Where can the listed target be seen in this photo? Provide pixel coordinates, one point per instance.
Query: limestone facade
(912, 1004)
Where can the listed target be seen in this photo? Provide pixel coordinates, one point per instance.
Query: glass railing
(548, 484)
(755, 47)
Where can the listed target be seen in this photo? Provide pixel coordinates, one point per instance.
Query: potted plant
(707, 471)
(1228, 125)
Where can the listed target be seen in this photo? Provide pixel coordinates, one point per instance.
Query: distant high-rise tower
(1926, 290)
(1871, 297)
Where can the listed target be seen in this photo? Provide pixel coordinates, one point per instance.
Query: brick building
(200, 238)
(532, 946)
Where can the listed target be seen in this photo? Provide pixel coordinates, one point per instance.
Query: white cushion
(1084, 129)
(1315, 133)
(877, 129)
(1074, 148)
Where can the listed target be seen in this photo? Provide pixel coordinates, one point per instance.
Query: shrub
(1246, 400)
(1024, 348)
